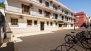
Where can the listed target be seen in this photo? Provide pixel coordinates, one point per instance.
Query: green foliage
(2, 4)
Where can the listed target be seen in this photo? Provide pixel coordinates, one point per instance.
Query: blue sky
(78, 5)
(2, 0)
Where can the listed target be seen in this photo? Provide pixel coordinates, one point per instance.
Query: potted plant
(9, 34)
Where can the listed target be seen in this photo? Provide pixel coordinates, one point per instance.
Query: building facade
(23, 16)
(80, 19)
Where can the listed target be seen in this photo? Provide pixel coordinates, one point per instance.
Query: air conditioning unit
(21, 17)
(51, 2)
(31, 5)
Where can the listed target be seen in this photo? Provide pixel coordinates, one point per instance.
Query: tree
(2, 4)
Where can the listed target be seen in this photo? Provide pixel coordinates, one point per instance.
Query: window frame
(40, 11)
(51, 23)
(35, 22)
(30, 24)
(47, 23)
(40, 1)
(14, 21)
(23, 9)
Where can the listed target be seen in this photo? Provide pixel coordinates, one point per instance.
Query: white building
(23, 16)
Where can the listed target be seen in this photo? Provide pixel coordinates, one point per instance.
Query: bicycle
(67, 48)
(86, 43)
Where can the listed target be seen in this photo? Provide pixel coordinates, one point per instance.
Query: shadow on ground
(8, 47)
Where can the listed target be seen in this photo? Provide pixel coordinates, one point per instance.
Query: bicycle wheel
(68, 39)
(86, 43)
(65, 47)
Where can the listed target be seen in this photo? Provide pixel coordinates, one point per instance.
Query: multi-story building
(35, 15)
(80, 19)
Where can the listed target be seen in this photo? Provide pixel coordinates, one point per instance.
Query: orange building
(80, 19)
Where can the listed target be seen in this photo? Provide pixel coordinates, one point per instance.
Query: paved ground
(44, 42)
(8, 47)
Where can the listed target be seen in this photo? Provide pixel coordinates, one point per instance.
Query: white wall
(22, 26)
(13, 5)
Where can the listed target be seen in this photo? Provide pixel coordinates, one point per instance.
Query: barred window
(35, 22)
(51, 23)
(40, 11)
(47, 23)
(29, 22)
(14, 21)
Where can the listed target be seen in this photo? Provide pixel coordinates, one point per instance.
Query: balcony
(47, 7)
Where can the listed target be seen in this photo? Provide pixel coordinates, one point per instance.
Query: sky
(2, 0)
(76, 5)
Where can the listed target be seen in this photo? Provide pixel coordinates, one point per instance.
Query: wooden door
(41, 25)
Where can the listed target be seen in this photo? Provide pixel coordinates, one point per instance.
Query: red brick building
(80, 19)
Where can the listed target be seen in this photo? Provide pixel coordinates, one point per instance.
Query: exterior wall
(12, 6)
(22, 27)
(81, 19)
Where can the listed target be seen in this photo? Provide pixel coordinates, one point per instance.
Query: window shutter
(29, 9)
(22, 8)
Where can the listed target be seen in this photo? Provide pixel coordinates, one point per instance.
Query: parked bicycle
(82, 39)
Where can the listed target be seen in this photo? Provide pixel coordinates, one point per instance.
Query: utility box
(1, 35)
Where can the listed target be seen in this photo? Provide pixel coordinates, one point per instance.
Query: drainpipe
(74, 24)
(0, 36)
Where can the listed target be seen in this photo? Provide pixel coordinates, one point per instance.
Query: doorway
(41, 26)
(60, 26)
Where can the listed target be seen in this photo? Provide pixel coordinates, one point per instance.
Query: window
(25, 9)
(55, 16)
(67, 18)
(62, 10)
(56, 23)
(65, 24)
(47, 4)
(40, 11)
(47, 14)
(47, 23)
(55, 7)
(29, 22)
(14, 21)
(62, 17)
(40, 1)
(66, 12)
(77, 16)
(71, 14)
(35, 22)
(51, 23)
(71, 25)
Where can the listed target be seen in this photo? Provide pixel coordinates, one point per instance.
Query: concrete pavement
(45, 41)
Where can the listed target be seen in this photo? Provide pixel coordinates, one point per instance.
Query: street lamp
(74, 24)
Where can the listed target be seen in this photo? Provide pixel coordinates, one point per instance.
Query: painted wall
(22, 26)
(80, 18)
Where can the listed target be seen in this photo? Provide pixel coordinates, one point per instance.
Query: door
(41, 25)
(60, 26)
